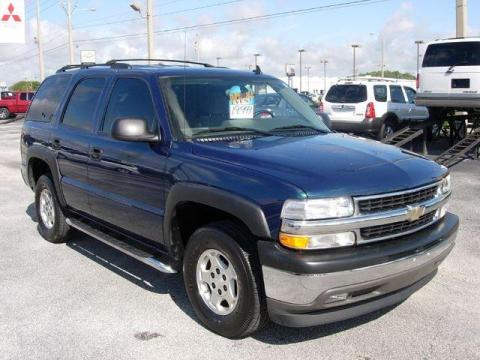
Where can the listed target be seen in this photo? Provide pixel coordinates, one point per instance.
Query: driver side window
(130, 98)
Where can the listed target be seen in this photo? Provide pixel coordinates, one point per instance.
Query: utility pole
(383, 56)
(418, 42)
(324, 62)
(256, 59)
(151, 51)
(461, 18)
(308, 77)
(68, 9)
(355, 47)
(300, 52)
(40, 44)
(218, 61)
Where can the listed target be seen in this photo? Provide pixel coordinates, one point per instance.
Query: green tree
(25, 85)
(391, 74)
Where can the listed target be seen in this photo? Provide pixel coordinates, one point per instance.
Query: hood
(328, 164)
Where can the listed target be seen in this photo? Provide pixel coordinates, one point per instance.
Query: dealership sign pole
(12, 22)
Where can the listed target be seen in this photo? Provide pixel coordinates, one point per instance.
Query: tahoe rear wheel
(223, 280)
(4, 113)
(51, 220)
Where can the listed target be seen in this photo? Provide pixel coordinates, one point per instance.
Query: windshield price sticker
(241, 102)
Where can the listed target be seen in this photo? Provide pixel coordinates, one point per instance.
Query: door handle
(56, 144)
(96, 153)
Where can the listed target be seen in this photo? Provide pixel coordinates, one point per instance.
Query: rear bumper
(357, 127)
(448, 100)
(346, 285)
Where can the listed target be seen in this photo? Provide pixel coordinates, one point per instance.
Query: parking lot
(86, 300)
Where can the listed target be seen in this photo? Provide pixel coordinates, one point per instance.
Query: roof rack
(368, 78)
(115, 61)
(90, 65)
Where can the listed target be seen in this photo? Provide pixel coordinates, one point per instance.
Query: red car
(12, 103)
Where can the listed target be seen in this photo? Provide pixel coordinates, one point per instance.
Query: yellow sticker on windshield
(241, 102)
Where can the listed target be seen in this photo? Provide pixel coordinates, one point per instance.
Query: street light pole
(69, 26)
(354, 47)
(300, 52)
(40, 44)
(308, 77)
(324, 62)
(418, 42)
(383, 57)
(218, 61)
(256, 59)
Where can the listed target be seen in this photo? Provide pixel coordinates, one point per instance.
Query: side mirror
(326, 120)
(128, 129)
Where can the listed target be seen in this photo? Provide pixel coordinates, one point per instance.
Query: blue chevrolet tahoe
(268, 213)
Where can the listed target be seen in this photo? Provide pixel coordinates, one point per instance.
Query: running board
(138, 254)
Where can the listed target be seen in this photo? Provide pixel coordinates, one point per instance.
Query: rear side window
(130, 99)
(454, 53)
(411, 94)
(347, 94)
(83, 102)
(380, 92)
(48, 98)
(396, 94)
(23, 96)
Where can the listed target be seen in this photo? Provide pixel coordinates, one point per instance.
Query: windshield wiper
(233, 129)
(450, 69)
(297, 127)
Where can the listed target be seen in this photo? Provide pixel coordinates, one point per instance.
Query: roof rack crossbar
(113, 61)
(89, 65)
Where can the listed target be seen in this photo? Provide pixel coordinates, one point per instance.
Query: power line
(160, 14)
(352, 3)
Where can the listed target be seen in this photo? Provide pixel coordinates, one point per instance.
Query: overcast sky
(324, 33)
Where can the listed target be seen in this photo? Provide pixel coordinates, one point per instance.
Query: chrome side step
(138, 254)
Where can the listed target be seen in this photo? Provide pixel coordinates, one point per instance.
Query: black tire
(4, 113)
(388, 127)
(59, 231)
(231, 239)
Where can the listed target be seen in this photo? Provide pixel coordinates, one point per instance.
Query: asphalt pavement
(85, 300)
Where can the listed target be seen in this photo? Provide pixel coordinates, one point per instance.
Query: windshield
(452, 54)
(202, 106)
(347, 94)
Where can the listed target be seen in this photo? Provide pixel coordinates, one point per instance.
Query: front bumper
(305, 289)
(371, 126)
(448, 100)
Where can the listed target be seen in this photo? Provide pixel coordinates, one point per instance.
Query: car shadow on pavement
(172, 284)
(132, 270)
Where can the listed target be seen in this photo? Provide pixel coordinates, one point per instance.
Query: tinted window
(130, 99)
(7, 95)
(380, 92)
(30, 96)
(82, 104)
(48, 97)
(347, 94)
(23, 96)
(455, 53)
(396, 94)
(410, 94)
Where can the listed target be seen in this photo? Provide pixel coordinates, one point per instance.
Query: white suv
(450, 74)
(371, 105)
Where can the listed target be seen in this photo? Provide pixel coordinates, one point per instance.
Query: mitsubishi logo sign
(12, 21)
(10, 14)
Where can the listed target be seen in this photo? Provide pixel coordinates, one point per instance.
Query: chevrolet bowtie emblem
(415, 212)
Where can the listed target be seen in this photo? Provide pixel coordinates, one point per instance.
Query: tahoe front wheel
(223, 280)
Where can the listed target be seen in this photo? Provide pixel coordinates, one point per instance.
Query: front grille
(389, 230)
(386, 203)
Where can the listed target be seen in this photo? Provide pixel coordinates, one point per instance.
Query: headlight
(446, 185)
(315, 209)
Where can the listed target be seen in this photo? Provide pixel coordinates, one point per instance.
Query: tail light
(370, 112)
(418, 81)
(321, 107)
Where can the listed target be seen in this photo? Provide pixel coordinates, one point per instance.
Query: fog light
(321, 241)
